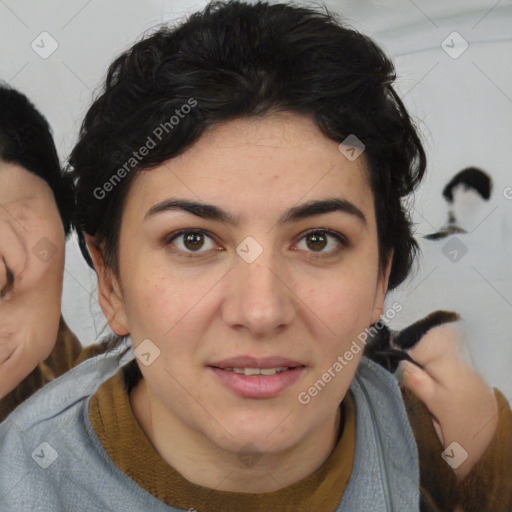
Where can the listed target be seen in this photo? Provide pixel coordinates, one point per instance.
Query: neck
(204, 463)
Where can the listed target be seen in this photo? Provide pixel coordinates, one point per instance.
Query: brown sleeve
(488, 486)
(438, 483)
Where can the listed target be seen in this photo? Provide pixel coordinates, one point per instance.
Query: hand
(462, 405)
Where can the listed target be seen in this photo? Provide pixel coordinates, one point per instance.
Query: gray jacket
(52, 460)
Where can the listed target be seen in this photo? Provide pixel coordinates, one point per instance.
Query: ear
(109, 291)
(382, 288)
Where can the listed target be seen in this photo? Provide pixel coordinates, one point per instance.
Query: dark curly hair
(26, 140)
(239, 59)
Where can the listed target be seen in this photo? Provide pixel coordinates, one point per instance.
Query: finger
(442, 340)
(419, 382)
(442, 353)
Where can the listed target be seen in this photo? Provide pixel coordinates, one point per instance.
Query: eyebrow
(215, 213)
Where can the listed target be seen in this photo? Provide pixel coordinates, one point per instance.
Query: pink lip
(253, 362)
(258, 386)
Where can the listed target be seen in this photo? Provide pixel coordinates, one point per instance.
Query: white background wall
(463, 106)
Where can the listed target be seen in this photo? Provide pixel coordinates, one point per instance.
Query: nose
(259, 296)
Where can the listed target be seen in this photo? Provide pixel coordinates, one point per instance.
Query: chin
(265, 437)
(255, 445)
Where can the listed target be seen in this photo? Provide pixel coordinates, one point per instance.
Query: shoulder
(47, 442)
(52, 459)
(68, 390)
(58, 402)
(91, 351)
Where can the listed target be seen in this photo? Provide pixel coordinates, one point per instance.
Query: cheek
(158, 305)
(43, 292)
(345, 304)
(46, 312)
(47, 248)
(48, 290)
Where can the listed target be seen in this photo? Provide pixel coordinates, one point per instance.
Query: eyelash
(341, 239)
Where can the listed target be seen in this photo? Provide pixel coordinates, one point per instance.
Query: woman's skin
(289, 302)
(32, 242)
(199, 301)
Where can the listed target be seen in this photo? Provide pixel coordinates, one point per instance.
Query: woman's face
(264, 289)
(32, 243)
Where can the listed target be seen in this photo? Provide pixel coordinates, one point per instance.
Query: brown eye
(316, 241)
(193, 241)
(188, 242)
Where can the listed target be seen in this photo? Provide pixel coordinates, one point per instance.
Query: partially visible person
(36, 202)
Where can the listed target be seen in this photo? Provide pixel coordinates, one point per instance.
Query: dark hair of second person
(26, 140)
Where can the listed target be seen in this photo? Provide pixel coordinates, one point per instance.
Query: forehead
(257, 165)
(17, 184)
